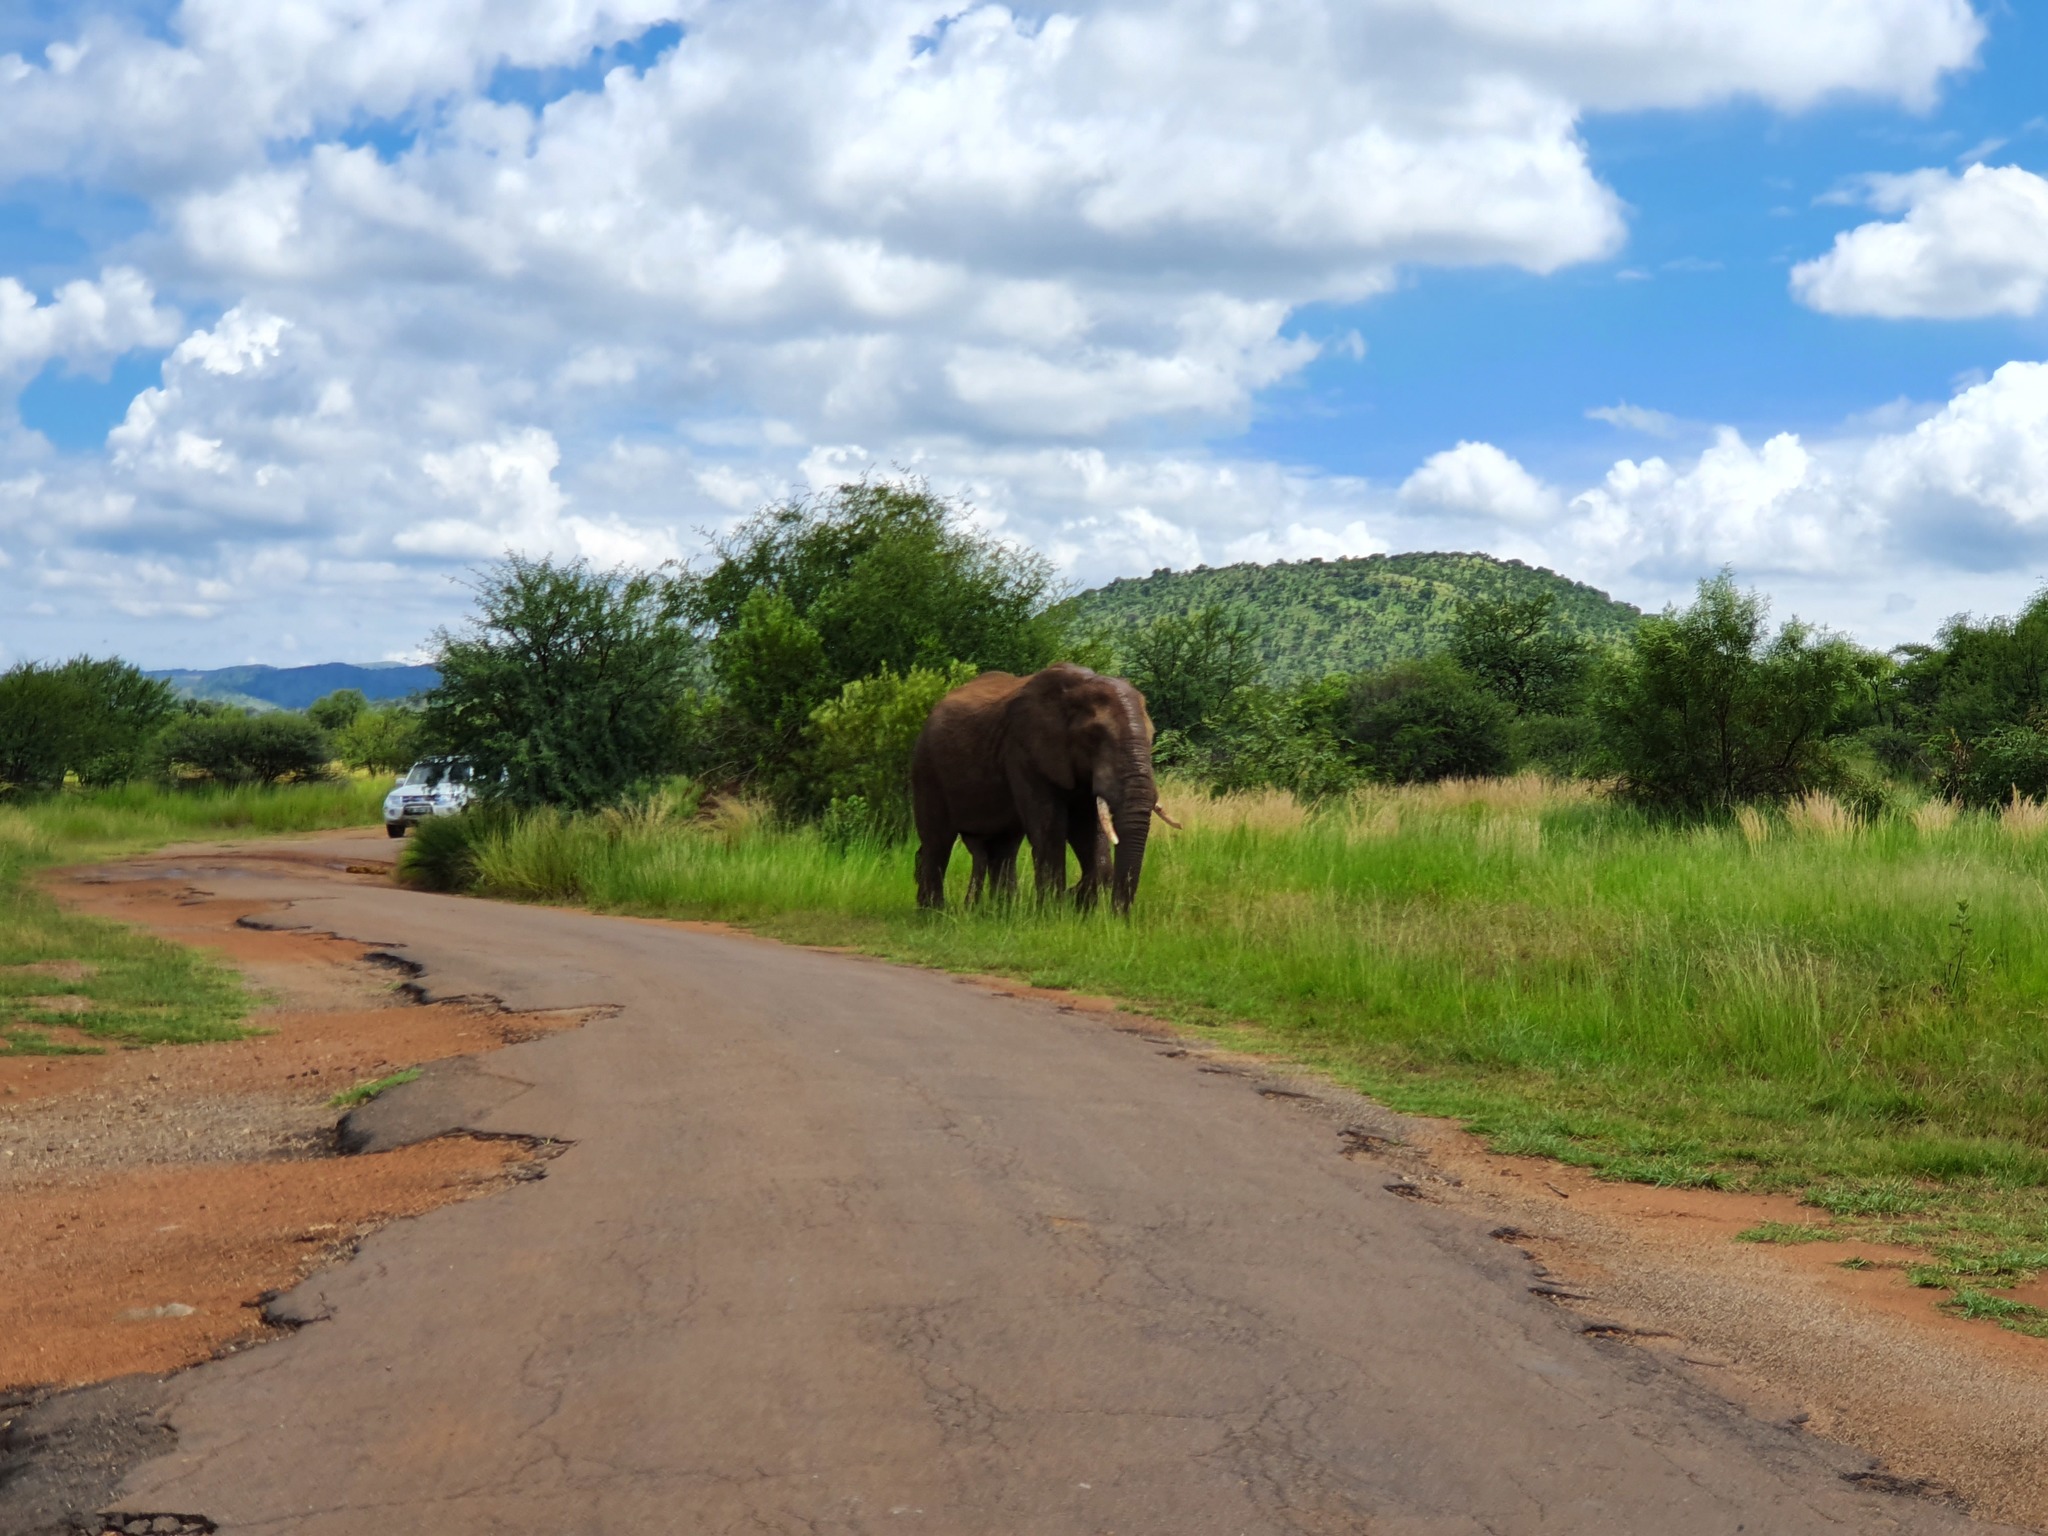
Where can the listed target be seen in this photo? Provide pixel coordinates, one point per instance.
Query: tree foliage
(228, 747)
(860, 745)
(1417, 721)
(382, 738)
(1704, 708)
(90, 717)
(1979, 676)
(338, 710)
(874, 578)
(1317, 618)
(1513, 647)
(1188, 665)
(570, 685)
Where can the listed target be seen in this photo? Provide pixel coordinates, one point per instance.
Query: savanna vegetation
(1319, 617)
(98, 759)
(1695, 897)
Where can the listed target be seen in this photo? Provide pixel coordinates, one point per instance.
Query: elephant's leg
(1002, 865)
(934, 852)
(1048, 837)
(977, 853)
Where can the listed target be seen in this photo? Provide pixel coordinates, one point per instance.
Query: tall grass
(1702, 1004)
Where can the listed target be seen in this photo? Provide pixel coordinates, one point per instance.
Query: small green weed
(1876, 1197)
(1784, 1232)
(1981, 1306)
(362, 1093)
(1855, 1264)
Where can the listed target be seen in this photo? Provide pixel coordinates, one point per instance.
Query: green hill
(1324, 616)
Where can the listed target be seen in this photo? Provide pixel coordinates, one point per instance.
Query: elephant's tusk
(1102, 815)
(1160, 811)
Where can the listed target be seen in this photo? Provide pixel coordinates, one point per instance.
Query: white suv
(433, 786)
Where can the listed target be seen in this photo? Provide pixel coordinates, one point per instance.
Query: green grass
(113, 985)
(1785, 1232)
(1680, 1005)
(362, 1093)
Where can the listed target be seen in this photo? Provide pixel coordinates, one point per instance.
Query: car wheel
(394, 829)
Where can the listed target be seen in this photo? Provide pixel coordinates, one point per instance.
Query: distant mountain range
(261, 687)
(1317, 617)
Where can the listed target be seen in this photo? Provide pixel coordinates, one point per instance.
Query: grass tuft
(1789, 1232)
(362, 1093)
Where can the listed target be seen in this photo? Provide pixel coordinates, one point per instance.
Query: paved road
(852, 1249)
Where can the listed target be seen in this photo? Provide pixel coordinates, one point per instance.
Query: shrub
(570, 687)
(244, 749)
(1704, 709)
(1189, 665)
(90, 717)
(441, 854)
(1993, 768)
(1270, 738)
(1513, 648)
(811, 595)
(860, 744)
(1421, 720)
(337, 710)
(382, 739)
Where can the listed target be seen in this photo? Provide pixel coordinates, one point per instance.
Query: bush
(92, 718)
(338, 710)
(814, 594)
(382, 739)
(1422, 720)
(1188, 665)
(572, 684)
(441, 853)
(1513, 648)
(1271, 738)
(1562, 746)
(861, 742)
(1704, 709)
(244, 749)
(1994, 768)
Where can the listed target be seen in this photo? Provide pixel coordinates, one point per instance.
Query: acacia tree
(873, 578)
(569, 686)
(92, 717)
(1514, 648)
(1188, 665)
(1704, 708)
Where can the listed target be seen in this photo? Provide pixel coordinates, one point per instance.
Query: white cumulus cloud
(1038, 254)
(1964, 247)
(1478, 480)
(85, 324)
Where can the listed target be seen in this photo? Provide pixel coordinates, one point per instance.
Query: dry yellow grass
(731, 819)
(1934, 817)
(2023, 818)
(1260, 810)
(1754, 824)
(1523, 793)
(1819, 815)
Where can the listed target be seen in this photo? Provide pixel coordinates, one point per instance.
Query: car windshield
(432, 773)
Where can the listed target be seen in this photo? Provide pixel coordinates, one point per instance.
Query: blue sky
(304, 313)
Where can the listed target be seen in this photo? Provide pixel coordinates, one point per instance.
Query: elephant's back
(991, 690)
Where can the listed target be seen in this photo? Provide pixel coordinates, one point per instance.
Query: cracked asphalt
(842, 1247)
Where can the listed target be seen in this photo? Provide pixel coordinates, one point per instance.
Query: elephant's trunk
(1132, 824)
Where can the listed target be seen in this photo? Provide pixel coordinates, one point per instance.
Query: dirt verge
(151, 1198)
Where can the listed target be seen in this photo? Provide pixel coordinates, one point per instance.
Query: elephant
(1062, 758)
